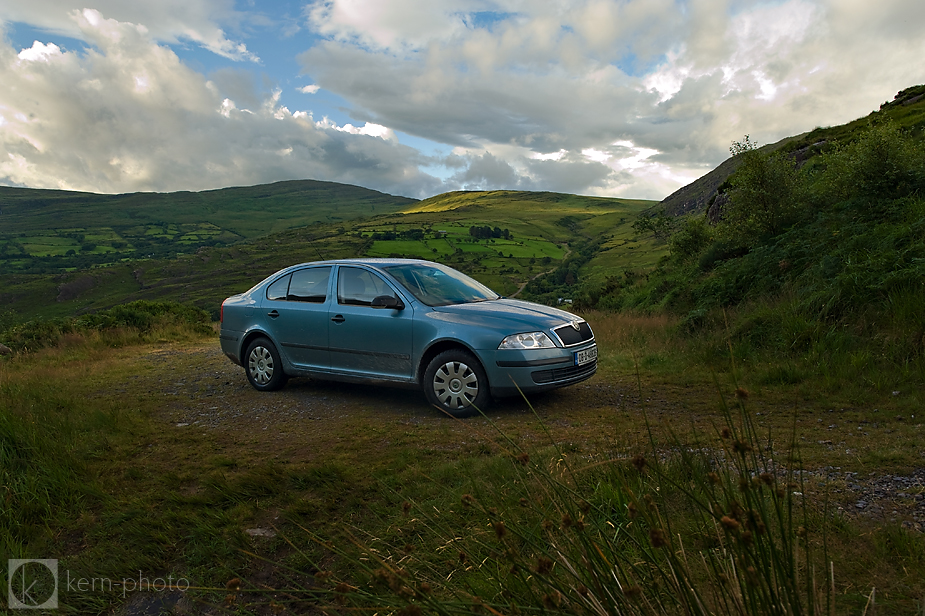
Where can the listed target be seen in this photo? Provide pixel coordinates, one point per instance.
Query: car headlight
(533, 340)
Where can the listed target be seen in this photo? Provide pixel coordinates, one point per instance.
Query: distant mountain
(244, 211)
(907, 109)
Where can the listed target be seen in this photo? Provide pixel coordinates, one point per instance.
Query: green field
(204, 262)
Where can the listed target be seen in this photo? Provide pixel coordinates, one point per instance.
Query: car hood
(508, 311)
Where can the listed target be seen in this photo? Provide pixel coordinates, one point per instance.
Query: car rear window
(305, 285)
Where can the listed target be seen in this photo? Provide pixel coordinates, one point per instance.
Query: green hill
(45, 230)
(536, 233)
(812, 269)
(906, 110)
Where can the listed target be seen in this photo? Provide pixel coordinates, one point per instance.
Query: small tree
(764, 196)
(690, 239)
(660, 224)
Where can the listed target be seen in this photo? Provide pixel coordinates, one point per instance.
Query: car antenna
(312, 242)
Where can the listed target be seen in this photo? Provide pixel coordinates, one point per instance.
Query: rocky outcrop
(699, 194)
(715, 211)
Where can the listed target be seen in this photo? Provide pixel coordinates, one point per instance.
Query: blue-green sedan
(403, 322)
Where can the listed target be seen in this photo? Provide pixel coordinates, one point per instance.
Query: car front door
(296, 309)
(367, 341)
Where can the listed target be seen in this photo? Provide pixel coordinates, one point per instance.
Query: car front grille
(561, 374)
(570, 336)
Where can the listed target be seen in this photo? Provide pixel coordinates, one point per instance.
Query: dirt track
(307, 420)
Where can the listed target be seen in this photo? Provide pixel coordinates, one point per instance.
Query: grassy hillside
(816, 269)
(46, 230)
(906, 111)
(542, 229)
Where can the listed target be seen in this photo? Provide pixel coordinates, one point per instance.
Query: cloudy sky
(626, 98)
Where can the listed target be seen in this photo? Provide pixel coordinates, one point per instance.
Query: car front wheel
(455, 383)
(263, 366)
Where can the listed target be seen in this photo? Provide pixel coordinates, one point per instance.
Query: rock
(715, 210)
(261, 532)
(5, 350)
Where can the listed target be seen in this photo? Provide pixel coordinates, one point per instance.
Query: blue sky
(627, 98)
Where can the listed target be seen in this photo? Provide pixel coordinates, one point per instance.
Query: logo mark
(32, 584)
(575, 325)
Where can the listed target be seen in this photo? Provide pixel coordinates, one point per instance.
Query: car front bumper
(512, 371)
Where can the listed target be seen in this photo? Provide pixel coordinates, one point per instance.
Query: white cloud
(373, 130)
(680, 80)
(622, 97)
(384, 24)
(39, 52)
(127, 115)
(165, 20)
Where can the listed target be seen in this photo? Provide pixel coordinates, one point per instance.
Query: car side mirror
(387, 301)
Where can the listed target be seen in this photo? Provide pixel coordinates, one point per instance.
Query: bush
(764, 198)
(690, 239)
(141, 316)
(880, 166)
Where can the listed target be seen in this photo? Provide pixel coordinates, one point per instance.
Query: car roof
(374, 261)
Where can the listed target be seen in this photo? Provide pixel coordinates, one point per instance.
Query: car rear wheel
(456, 384)
(263, 366)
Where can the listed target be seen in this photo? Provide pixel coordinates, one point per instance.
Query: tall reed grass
(716, 528)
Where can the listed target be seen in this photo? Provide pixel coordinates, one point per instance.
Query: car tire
(263, 366)
(456, 383)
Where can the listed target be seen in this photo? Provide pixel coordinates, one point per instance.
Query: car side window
(309, 285)
(279, 289)
(358, 287)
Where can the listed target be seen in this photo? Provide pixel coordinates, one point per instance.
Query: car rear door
(296, 315)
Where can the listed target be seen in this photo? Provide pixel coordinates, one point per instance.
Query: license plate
(586, 356)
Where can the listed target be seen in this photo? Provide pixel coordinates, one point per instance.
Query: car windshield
(435, 285)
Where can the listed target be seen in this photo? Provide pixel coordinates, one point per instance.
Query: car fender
(438, 346)
(258, 332)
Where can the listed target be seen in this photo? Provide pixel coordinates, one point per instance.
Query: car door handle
(338, 318)
(273, 314)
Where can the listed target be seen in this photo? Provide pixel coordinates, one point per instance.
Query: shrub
(880, 166)
(690, 239)
(141, 316)
(764, 198)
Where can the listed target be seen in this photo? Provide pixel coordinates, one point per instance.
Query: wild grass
(723, 527)
(98, 475)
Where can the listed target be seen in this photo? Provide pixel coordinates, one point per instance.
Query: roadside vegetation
(815, 273)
